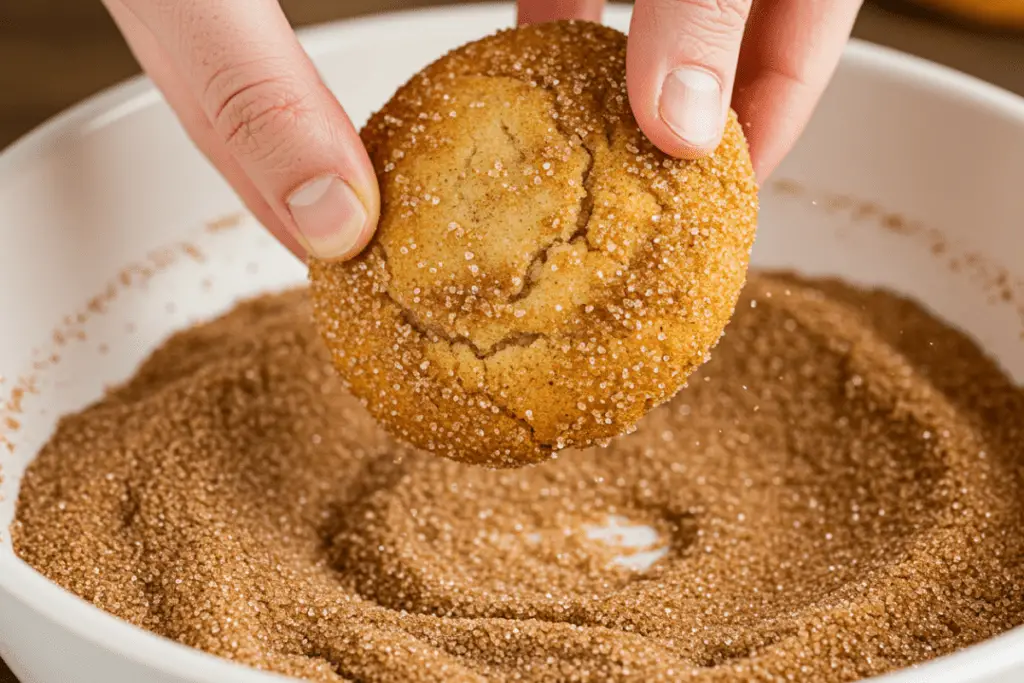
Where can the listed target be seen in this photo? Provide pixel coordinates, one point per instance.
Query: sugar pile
(837, 494)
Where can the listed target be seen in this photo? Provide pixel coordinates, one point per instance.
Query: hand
(254, 104)
(687, 59)
(251, 100)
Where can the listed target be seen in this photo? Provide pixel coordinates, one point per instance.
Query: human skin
(253, 103)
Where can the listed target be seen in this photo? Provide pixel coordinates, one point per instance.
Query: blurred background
(54, 53)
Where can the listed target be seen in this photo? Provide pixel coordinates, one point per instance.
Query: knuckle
(226, 82)
(260, 117)
(720, 15)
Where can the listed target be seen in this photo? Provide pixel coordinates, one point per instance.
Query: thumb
(681, 66)
(272, 114)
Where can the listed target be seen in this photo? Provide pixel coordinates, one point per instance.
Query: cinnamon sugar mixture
(836, 495)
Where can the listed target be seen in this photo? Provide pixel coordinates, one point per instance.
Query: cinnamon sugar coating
(542, 275)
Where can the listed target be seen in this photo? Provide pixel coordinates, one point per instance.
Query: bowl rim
(100, 629)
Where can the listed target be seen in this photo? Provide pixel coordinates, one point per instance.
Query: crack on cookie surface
(435, 333)
(532, 273)
(534, 270)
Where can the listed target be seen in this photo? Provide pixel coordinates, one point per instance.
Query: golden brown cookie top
(542, 275)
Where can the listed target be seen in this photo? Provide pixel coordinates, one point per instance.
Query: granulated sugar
(837, 494)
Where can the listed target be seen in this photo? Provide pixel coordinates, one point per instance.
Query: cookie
(542, 275)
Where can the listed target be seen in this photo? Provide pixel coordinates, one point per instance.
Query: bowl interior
(116, 232)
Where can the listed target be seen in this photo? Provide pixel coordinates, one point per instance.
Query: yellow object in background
(995, 13)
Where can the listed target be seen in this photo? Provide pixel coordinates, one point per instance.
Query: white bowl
(114, 182)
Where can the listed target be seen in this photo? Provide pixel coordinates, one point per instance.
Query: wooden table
(65, 50)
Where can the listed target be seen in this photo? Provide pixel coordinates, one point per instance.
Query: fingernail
(691, 105)
(329, 216)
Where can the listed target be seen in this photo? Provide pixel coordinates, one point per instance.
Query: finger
(268, 107)
(789, 54)
(539, 11)
(160, 70)
(680, 69)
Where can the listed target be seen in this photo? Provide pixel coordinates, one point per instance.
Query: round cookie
(542, 275)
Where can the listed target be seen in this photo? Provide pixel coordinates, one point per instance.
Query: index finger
(789, 54)
(680, 68)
